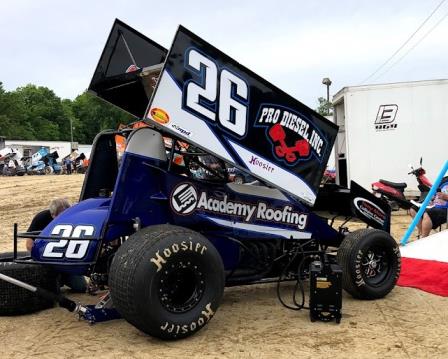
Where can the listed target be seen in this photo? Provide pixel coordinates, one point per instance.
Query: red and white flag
(424, 264)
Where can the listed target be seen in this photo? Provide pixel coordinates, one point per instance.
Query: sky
(293, 44)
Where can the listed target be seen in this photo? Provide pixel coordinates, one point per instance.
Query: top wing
(206, 98)
(210, 100)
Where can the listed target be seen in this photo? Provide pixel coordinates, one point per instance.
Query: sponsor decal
(385, 118)
(160, 116)
(254, 160)
(323, 283)
(359, 279)
(370, 210)
(160, 258)
(132, 68)
(181, 130)
(185, 199)
(205, 316)
(292, 136)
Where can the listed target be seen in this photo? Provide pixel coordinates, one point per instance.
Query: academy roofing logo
(293, 137)
(370, 210)
(185, 199)
(385, 118)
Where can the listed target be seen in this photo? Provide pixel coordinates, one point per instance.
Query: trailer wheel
(167, 281)
(15, 300)
(371, 262)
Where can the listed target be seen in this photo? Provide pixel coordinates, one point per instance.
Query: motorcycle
(393, 192)
(329, 176)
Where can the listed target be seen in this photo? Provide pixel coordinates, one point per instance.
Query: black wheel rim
(181, 286)
(376, 265)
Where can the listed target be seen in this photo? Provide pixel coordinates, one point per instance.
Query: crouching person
(76, 283)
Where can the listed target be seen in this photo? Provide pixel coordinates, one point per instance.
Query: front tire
(371, 263)
(167, 281)
(15, 300)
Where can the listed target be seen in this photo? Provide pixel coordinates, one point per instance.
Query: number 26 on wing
(228, 106)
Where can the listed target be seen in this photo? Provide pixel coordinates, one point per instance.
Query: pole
(71, 135)
(328, 92)
(422, 209)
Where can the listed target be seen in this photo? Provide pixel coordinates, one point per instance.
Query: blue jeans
(77, 283)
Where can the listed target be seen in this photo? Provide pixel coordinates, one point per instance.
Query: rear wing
(336, 201)
(208, 99)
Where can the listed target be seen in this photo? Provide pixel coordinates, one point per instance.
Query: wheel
(15, 300)
(48, 170)
(167, 281)
(370, 261)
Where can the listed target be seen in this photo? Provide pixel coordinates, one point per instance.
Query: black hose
(299, 282)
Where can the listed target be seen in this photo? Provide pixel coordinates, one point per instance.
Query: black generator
(325, 291)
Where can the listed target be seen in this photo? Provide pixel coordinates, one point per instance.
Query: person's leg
(426, 225)
(434, 218)
(413, 212)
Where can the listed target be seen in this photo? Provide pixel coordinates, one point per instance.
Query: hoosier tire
(167, 281)
(15, 300)
(371, 262)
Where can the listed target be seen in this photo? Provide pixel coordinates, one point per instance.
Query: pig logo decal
(301, 148)
(292, 135)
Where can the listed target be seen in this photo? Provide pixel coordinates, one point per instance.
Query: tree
(43, 112)
(36, 113)
(13, 122)
(325, 107)
(95, 115)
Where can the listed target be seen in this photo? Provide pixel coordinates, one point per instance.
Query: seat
(394, 184)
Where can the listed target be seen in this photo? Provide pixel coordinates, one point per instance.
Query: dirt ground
(250, 323)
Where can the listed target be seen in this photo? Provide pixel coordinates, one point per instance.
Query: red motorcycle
(393, 192)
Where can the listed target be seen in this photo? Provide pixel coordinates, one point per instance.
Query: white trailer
(86, 149)
(384, 128)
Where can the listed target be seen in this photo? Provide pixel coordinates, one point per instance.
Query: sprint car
(165, 241)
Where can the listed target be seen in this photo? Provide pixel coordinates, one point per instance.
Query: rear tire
(371, 262)
(167, 281)
(15, 300)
